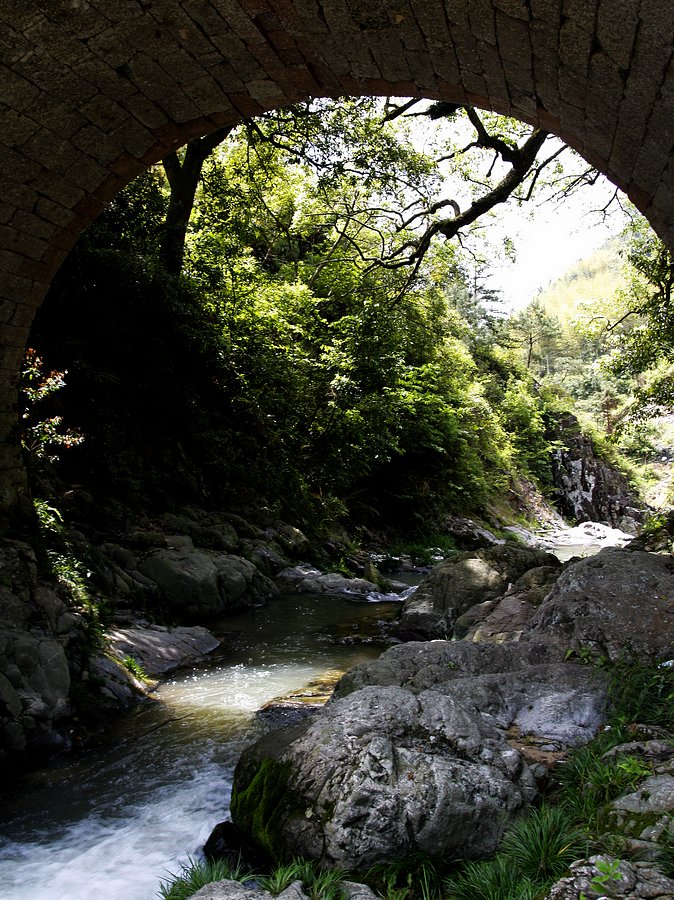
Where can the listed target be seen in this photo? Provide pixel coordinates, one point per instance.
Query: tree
(535, 331)
(183, 177)
(645, 330)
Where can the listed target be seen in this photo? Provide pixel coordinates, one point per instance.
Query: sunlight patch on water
(242, 688)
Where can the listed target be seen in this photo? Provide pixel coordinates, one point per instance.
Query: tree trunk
(183, 179)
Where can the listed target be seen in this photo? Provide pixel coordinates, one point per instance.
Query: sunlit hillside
(596, 277)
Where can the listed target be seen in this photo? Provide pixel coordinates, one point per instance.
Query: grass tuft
(195, 874)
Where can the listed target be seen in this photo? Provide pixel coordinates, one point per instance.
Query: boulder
(417, 751)
(158, 649)
(468, 535)
(462, 581)
(615, 601)
(602, 876)
(509, 616)
(203, 584)
(381, 773)
(305, 579)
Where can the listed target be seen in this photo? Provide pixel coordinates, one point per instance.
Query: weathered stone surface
(461, 582)
(234, 890)
(202, 584)
(634, 881)
(468, 535)
(614, 601)
(159, 649)
(587, 487)
(511, 615)
(416, 750)
(383, 772)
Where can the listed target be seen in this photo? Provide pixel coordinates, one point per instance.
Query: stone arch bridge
(93, 91)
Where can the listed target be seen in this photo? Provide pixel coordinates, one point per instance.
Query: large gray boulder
(462, 581)
(506, 619)
(203, 584)
(425, 757)
(615, 601)
(380, 774)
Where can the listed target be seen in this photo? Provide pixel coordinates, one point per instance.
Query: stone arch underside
(93, 91)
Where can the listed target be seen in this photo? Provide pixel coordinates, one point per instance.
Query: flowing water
(113, 822)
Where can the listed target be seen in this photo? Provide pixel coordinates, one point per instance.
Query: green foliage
(642, 693)
(195, 874)
(541, 846)
(416, 875)
(318, 883)
(425, 550)
(534, 853)
(132, 665)
(490, 880)
(288, 363)
(665, 857)
(609, 870)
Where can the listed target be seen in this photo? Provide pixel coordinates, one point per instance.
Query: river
(114, 821)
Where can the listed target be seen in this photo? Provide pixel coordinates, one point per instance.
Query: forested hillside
(269, 317)
(599, 340)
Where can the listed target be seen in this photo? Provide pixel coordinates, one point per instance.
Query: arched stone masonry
(93, 91)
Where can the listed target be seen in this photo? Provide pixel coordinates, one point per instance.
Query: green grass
(489, 880)
(426, 550)
(195, 874)
(319, 884)
(132, 665)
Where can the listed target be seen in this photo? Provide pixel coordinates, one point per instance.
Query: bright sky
(552, 240)
(549, 237)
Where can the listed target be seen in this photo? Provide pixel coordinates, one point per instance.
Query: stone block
(482, 22)
(513, 40)
(617, 22)
(575, 45)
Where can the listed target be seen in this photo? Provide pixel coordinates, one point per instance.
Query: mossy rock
(644, 814)
(259, 809)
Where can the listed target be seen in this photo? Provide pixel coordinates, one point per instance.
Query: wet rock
(463, 581)
(305, 579)
(228, 843)
(291, 540)
(626, 881)
(202, 584)
(614, 601)
(266, 556)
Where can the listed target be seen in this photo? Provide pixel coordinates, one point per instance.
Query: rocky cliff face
(587, 488)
